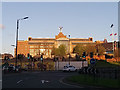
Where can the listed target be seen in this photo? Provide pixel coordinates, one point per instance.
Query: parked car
(11, 68)
(18, 68)
(5, 69)
(69, 68)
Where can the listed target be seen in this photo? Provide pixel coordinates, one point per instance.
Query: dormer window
(29, 39)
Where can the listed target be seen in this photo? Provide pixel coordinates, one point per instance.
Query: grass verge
(90, 80)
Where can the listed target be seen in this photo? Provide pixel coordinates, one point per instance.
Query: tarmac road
(37, 79)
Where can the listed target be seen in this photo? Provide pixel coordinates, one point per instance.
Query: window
(50, 51)
(29, 38)
(46, 51)
(31, 46)
(65, 67)
(41, 46)
(36, 46)
(42, 50)
(31, 51)
(50, 46)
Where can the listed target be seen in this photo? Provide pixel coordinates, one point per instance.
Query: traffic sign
(92, 61)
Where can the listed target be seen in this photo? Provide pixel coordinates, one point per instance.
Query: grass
(90, 80)
(104, 63)
(116, 63)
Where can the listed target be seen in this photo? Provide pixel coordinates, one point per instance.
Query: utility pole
(112, 39)
(69, 50)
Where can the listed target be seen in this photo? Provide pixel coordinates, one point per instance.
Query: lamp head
(25, 18)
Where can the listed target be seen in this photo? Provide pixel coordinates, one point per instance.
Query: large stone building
(37, 46)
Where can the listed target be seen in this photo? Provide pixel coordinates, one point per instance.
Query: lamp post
(13, 45)
(112, 38)
(69, 49)
(17, 36)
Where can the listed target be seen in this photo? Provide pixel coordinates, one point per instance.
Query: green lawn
(90, 80)
(104, 63)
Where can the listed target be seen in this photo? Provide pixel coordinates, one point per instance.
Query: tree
(76, 49)
(100, 50)
(62, 50)
(80, 48)
(90, 48)
(57, 52)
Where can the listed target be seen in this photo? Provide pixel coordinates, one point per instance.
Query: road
(37, 79)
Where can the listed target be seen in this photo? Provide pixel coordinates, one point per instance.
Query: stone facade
(37, 46)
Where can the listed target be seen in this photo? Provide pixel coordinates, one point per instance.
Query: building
(37, 46)
(10, 56)
(108, 45)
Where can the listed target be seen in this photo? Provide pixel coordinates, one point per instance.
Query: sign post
(28, 56)
(92, 61)
(42, 58)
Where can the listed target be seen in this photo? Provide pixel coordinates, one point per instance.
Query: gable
(61, 36)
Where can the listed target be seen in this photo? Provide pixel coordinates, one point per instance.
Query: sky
(79, 19)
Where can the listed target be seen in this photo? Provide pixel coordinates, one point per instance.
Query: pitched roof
(60, 35)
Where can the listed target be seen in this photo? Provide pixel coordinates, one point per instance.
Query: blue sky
(79, 19)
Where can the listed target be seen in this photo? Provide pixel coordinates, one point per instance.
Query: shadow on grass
(94, 81)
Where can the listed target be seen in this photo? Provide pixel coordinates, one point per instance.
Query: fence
(49, 65)
(108, 72)
(113, 73)
(77, 64)
(56, 65)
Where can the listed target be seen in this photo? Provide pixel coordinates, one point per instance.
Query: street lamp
(17, 36)
(13, 45)
(69, 49)
(112, 38)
